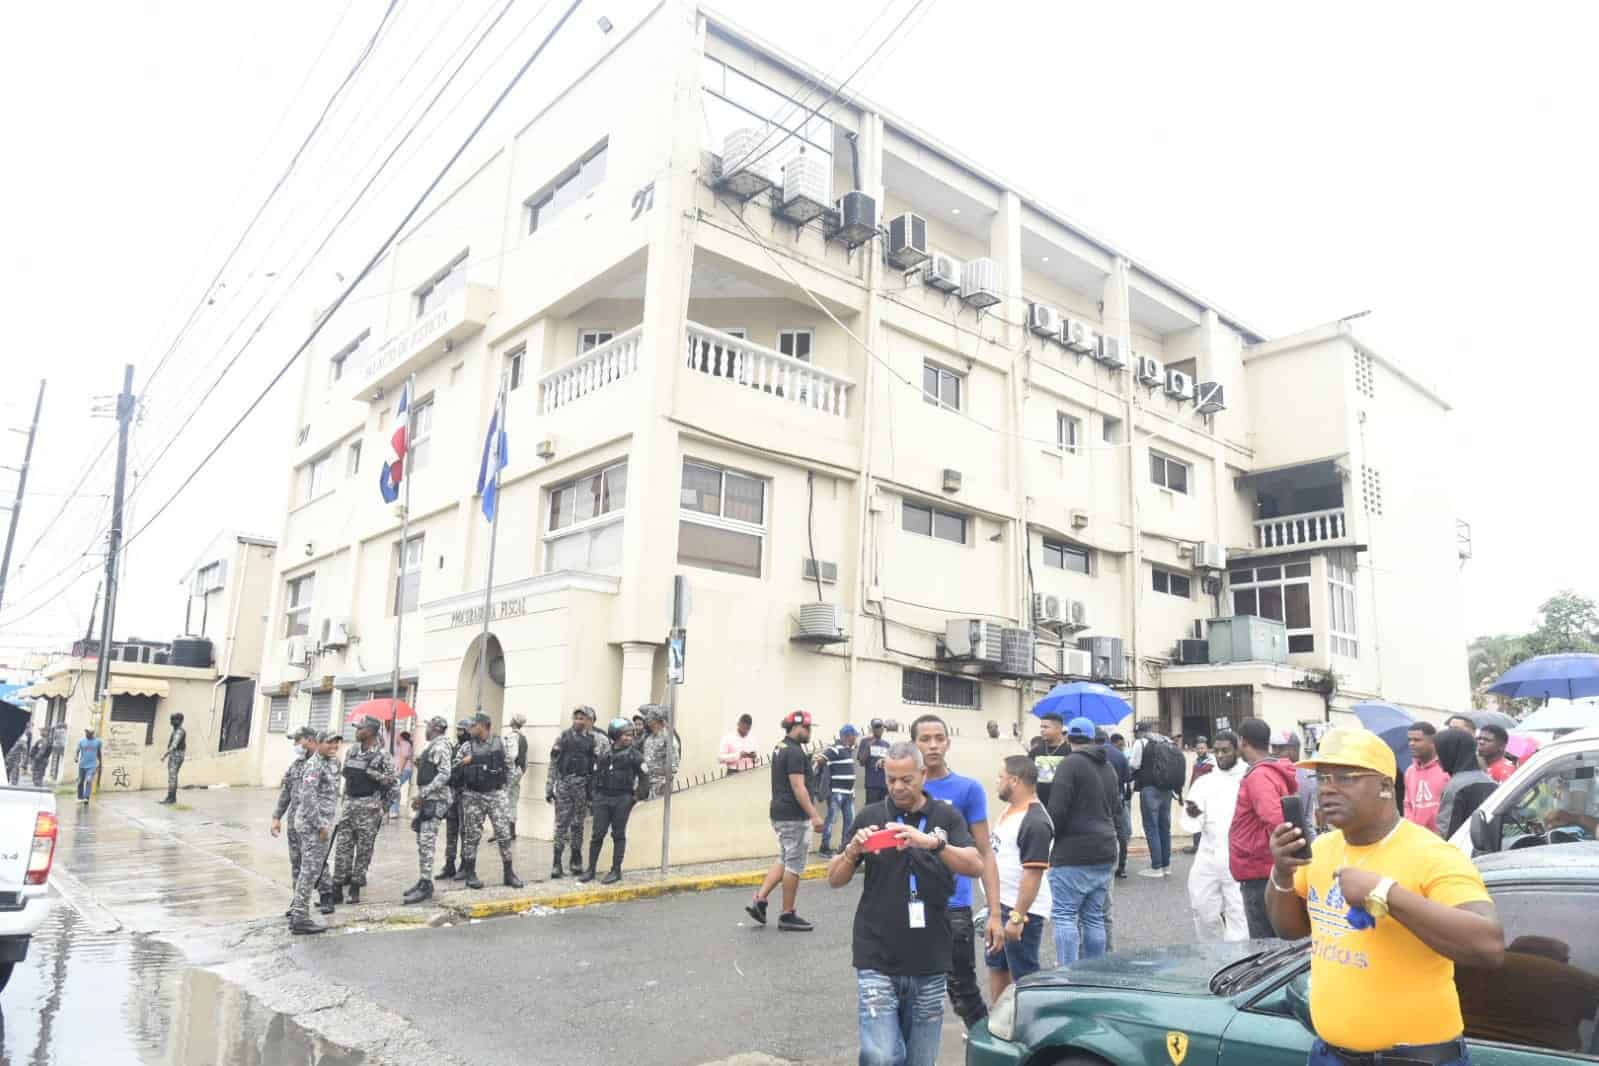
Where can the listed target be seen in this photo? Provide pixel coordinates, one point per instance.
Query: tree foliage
(1567, 621)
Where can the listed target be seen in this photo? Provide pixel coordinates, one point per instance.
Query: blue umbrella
(1084, 699)
(1392, 724)
(1570, 675)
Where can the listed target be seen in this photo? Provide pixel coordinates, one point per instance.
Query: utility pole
(22, 486)
(102, 677)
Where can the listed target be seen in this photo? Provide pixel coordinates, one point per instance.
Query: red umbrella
(384, 710)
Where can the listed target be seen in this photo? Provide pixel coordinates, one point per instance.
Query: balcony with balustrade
(1300, 507)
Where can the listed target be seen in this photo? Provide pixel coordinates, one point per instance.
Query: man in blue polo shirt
(965, 794)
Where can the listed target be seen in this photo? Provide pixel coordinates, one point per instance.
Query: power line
(372, 261)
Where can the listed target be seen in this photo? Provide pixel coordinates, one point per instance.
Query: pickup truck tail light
(45, 828)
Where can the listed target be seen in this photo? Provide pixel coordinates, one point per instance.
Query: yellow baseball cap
(1353, 747)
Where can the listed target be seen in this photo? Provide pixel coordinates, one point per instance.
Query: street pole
(676, 647)
(102, 675)
(407, 472)
(22, 486)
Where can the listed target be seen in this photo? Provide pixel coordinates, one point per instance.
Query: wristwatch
(1377, 898)
(943, 840)
(1018, 918)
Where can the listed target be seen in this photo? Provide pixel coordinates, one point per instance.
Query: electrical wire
(372, 261)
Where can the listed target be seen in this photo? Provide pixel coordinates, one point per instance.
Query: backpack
(1164, 765)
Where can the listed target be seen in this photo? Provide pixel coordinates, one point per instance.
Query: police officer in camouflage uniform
(484, 769)
(662, 751)
(570, 784)
(316, 802)
(177, 749)
(452, 820)
(431, 803)
(516, 771)
(371, 787)
(304, 740)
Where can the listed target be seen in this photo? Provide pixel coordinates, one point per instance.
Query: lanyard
(920, 828)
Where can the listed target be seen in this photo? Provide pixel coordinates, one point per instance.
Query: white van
(1552, 798)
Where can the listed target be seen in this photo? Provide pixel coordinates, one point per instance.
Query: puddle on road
(110, 999)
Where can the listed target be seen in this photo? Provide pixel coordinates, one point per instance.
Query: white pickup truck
(28, 829)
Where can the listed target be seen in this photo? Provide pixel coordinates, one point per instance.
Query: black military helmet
(177, 718)
(438, 722)
(618, 726)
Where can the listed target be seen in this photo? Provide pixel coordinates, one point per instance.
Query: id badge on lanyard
(918, 909)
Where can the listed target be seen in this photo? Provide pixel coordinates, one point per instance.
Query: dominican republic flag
(389, 477)
(496, 456)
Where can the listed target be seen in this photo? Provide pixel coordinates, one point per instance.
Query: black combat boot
(172, 796)
(616, 866)
(556, 873)
(306, 927)
(511, 880)
(337, 895)
(354, 895)
(324, 902)
(448, 873)
(577, 859)
(469, 874)
(418, 892)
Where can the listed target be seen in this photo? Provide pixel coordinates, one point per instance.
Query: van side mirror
(1298, 993)
(1486, 832)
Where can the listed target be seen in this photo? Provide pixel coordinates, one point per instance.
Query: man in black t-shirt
(794, 819)
(870, 755)
(902, 937)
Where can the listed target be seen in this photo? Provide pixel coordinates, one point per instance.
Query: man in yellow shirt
(1389, 907)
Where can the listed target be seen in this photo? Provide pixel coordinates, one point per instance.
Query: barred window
(942, 690)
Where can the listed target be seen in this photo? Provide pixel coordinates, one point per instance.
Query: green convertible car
(1245, 1004)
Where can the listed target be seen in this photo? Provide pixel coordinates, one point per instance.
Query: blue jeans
(901, 1018)
(86, 781)
(1321, 1056)
(843, 805)
(1078, 896)
(1018, 958)
(1155, 804)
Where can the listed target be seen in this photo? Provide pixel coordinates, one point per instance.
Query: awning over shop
(49, 688)
(374, 681)
(123, 685)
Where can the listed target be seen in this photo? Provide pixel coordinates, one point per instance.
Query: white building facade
(796, 412)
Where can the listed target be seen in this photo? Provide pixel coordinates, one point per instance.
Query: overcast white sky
(1432, 163)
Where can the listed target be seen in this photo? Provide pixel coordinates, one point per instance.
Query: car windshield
(1561, 805)
(1251, 968)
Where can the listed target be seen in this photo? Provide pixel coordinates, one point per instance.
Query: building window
(1343, 626)
(941, 387)
(513, 368)
(733, 101)
(574, 183)
(933, 522)
(278, 714)
(439, 287)
(297, 609)
(316, 477)
(416, 455)
(1111, 430)
(585, 530)
(337, 364)
(208, 579)
(321, 709)
(1172, 584)
(139, 709)
(408, 575)
(1168, 473)
(940, 690)
(590, 339)
(1067, 430)
(352, 459)
(722, 524)
(1281, 593)
(795, 343)
(1066, 556)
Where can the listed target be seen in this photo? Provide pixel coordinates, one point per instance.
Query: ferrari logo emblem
(1177, 1047)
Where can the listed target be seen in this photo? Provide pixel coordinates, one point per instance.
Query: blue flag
(496, 456)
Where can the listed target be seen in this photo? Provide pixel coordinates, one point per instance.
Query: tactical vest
(618, 771)
(426, 771)
(487, 772)
(577, 754)
(356, 781)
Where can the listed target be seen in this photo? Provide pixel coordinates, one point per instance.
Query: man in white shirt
(1217, 902)
(1022, 838)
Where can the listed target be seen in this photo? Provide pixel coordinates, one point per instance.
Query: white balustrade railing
(1312, 527)
(594, 370)
(737, 361)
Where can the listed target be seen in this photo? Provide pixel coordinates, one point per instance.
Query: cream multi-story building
(904, 403)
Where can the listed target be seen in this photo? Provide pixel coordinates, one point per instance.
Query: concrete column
(638, 676)
(1117, 321)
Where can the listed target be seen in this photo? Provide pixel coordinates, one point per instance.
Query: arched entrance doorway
(466, 689)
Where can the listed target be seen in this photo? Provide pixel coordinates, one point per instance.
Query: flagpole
(408, 471)
(498, 423)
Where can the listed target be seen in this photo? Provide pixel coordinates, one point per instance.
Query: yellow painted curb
(588, 897)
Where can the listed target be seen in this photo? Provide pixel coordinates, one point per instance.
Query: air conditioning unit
(973, 638)
(810, 566)
(1150, 372)
(1209, 397)
(1110, 352)
(1179, 384)
(980, 282)
(1075, 334)
(1049, 610)
(1109, 664)
(1193, 652)
(907, 240)
(336, 632)
(857, 217)
(1044, 319)
(748, 167)
(1210, 557)
(943, 272)
(1016, 652)
(821, 623)
(1076, 614)
(1074, 662)
(804, 188)
(952, 479)
(297, 650)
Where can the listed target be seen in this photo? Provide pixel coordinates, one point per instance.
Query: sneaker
(757, 910)
(1165, 871)
(793, 923)
(1151, 872)
(1121, 873)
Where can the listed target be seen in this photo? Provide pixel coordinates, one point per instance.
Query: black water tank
(191, 651)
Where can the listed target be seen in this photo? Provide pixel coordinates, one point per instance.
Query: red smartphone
(884, 839)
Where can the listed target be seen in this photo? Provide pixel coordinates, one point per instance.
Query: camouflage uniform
(288, 790)
(17, 756)
(571, 788)
(436, 797)
(662, 753)
(316, 801)
(369, 771)
(177, 750)
(40, 758)
(475, 805)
